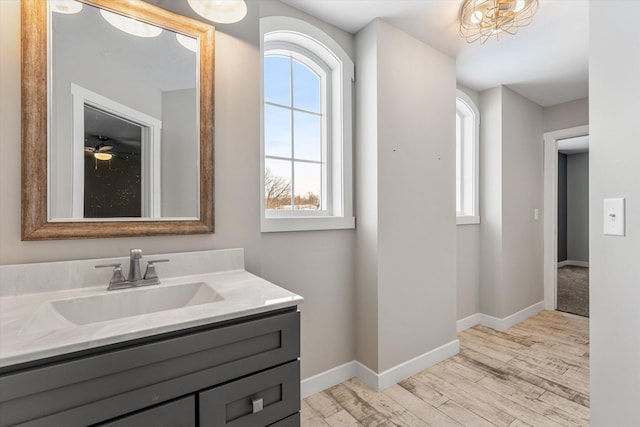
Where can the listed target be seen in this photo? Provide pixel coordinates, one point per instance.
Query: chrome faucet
(134, 266)
(135, 278)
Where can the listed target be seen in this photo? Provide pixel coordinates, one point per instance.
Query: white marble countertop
(242, 294)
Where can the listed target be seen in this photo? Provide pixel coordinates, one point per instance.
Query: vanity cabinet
(243, 372)
(179, 413)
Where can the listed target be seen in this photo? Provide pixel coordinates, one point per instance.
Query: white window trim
(474, 218)
(280, 30)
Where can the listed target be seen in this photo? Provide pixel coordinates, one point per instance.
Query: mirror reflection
(124, 135)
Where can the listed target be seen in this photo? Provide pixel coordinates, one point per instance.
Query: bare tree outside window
(277, 191)
(277, 194)
(310, 201)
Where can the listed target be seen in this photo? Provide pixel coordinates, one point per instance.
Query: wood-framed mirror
(81, 103)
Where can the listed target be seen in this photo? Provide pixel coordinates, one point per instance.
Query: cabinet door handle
(257, 404)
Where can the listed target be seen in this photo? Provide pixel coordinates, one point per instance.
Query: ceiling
(160, 61)
(575, 145)
(546, 61)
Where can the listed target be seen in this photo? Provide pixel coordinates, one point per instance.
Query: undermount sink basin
(119, 304)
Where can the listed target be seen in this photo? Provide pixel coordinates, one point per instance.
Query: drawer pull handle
(257, 404)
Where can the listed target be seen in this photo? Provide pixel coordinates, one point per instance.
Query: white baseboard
(375, 381)
(413, 366)
(328, 379)
(573, 263)
(469, 322)
(497, 323)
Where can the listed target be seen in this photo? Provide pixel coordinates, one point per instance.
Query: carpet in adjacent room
(573, 290)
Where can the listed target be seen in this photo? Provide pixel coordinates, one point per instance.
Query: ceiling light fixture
(221, 11)
(66, 6)
(103, 156)
(187, 42)
(481, 19)
(130, 25)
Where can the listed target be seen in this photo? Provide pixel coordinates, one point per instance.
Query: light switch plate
(614, 217)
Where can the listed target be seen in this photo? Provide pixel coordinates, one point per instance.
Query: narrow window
(467, 135)
(295, 135)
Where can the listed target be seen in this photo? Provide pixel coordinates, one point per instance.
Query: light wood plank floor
(533, 374)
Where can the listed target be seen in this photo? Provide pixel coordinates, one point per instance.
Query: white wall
(317, 265)
(578, 207)
(415, 218)
(614, 151)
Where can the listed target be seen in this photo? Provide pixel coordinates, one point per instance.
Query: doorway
(573, 226)
(109, 132)
(551, 140)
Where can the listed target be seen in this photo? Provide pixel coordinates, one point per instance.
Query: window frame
(470, 213)
(306, 43)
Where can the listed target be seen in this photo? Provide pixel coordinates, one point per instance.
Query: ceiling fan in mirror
(104, 149)
(101, 151)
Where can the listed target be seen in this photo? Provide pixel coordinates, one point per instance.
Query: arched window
(306, 144)
(467, 173)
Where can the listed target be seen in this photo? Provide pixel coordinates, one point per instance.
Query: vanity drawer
(107, 384)
(292, 421)
(255, 401)
(179, 413)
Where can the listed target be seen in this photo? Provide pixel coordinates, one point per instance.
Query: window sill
(467, 220)
(274, 225)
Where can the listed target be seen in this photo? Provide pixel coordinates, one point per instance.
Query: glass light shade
(66, 6)
(187, 42)
(103, 156)
(222, 11)
(130, 25)
(480, 19)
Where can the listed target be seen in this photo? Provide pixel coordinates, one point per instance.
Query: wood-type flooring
(536, 373)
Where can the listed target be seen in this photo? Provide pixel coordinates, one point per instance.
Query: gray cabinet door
(255, 401)
(179, 413)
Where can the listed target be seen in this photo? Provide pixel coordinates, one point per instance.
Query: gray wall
(614, 87)
(522, 192)
(411, 250)
(578, 207)
(366, 198)
(573, 207)
(562, 207)
(511, 186)
(490, 199)
(179, 156)
(567, 115)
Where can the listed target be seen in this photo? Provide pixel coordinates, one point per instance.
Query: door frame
(551, 209)
(150, 149)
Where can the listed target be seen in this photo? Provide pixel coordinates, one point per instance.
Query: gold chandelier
(481, 19)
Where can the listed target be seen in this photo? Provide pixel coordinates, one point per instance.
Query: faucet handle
(117, 277)
(151, 268)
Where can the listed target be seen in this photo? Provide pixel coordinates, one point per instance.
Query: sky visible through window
(292, 134)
